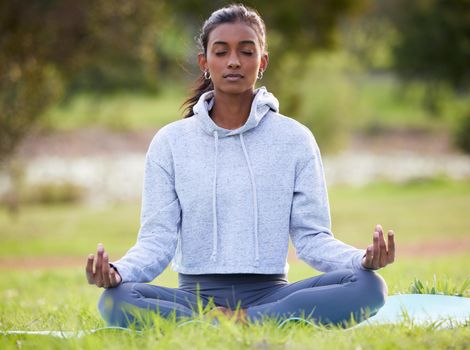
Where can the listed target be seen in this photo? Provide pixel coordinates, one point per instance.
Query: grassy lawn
(420, 211)
(124, 111)
(59, 298)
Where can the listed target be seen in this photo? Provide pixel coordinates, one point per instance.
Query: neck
(230, 111)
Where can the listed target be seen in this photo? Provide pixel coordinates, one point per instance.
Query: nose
(233, 61)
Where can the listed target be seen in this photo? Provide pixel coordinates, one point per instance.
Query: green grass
(59, 297)
(385, 102)
(123, 111)
(230, 336)
(440, 287)
(383, 105)
(419, 211)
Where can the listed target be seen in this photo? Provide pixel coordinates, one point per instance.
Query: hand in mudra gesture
(102, 275)
(380, 254)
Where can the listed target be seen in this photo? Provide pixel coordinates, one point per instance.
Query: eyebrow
(243, 42)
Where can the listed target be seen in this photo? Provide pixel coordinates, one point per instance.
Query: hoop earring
(207, 75)
(260, 74)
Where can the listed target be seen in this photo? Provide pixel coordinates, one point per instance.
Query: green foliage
(299, 24)
(46, 45)
(434, 41)
(370, 38)
(42, 193)
(120, 111)
(462, 133)
(441, 286)
(112, 41)
(317, 91)
(118, 47)
(424, 42)
(26, 92)
(52, 193)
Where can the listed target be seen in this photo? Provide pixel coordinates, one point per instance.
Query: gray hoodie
(227, 201)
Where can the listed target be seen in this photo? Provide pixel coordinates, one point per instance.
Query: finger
(99, 266)
(391, 246)
(105, 270)
(383, 250)
(376, 251)
(379, 228)
(369, 255)
(89, 269)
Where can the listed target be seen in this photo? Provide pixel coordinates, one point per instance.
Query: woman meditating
(224, 189)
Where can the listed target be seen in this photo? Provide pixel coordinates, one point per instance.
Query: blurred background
(84, 85)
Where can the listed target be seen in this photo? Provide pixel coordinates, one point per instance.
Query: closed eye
(220, 53)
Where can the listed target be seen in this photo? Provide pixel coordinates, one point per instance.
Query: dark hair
(230, 14)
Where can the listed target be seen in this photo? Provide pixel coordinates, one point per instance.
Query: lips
(233, 76)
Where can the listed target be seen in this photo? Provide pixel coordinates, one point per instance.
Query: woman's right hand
(102, 275)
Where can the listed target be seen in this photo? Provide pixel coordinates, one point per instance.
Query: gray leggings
(331, 298)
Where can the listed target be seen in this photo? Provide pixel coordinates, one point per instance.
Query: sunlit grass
(123, 111)
(440, 286)
(419, 211)
(61, 300)
(58, 298)
(427, 211)
(256, 337)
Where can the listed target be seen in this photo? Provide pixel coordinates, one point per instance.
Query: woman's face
(234, 57)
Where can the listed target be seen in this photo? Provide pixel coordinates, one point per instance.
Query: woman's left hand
(379, 254)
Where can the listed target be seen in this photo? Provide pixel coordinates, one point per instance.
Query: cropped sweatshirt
(227, 201)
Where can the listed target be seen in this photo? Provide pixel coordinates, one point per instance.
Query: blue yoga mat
(440, 311)
(423, 309)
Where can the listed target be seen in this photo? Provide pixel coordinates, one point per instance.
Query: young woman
(224, 189)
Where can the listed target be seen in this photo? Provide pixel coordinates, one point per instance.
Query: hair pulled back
(230, 14)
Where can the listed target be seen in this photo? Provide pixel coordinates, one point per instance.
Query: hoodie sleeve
(160, 218)
(310, 222)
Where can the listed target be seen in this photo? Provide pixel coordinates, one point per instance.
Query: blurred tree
(434, 47)
(303, 23)
(51, 46)
(434, 44)
(293, 26)
(48, 46)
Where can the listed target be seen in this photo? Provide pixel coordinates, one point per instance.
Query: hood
(263, 102)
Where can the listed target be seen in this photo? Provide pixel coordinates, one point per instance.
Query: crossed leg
(331, 298)
(129, 302)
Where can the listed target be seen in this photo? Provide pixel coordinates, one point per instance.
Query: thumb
(367, 260)
(114, 276)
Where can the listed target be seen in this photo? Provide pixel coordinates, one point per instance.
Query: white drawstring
(214, 202)
(255, 202)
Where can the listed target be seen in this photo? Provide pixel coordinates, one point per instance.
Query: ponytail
(201, 86)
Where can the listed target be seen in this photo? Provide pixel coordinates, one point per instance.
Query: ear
(264, 62)
(202, 60)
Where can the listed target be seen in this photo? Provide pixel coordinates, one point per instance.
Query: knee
(374, 286)
(111, 301)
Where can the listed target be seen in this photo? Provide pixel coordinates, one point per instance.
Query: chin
(235, 89)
